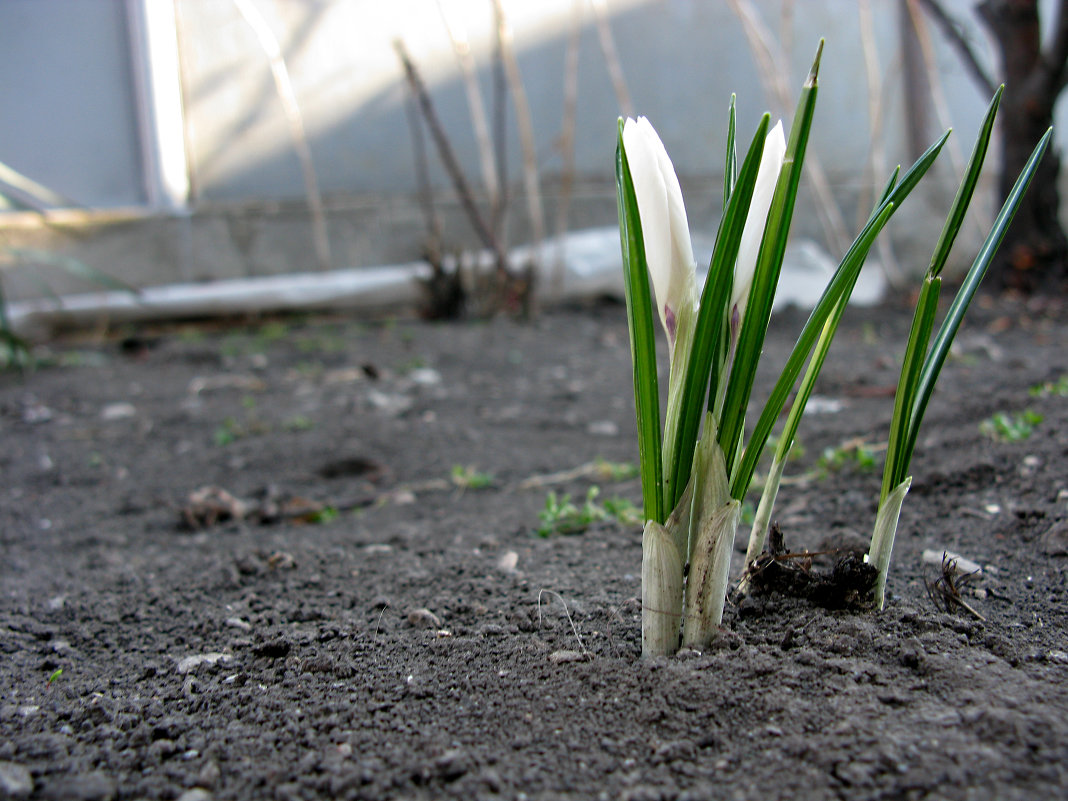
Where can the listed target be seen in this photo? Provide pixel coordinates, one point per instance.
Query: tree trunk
(1034, 254)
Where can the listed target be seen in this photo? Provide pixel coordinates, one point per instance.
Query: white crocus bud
(665, 231)
(756, 219)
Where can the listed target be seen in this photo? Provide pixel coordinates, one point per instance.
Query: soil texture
(299, 559)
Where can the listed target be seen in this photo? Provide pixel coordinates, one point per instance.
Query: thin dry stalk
(877, 156)
(422, 178)
(291, 109)
(525, 125)
(611, 58)
(945, 590)
(449, 160)
(479, 122)
(563, 603)
(979, 214)
(773, 76)
(567, 144)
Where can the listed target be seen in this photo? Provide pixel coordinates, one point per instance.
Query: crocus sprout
(697, 469)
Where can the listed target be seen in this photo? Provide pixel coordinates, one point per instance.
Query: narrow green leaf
(948, 330)
(730, 169)
(890, 184)
(766, 277)
(882, 540)
(642, 341)
(710, 329)
(844, 279)
(963, 199)
(915, 353)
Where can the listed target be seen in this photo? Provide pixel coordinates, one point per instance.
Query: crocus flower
(755, 220)
(668, 251)
(665, 229)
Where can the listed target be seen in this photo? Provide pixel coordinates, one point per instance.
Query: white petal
(753, 233)
(663, 217)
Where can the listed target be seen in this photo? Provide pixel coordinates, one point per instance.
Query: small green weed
(298, 422)
(1056, 389)
(328, 514)
(854, 453)
(615, 471)
(467, 477)
(562, 516)
(1010, 427)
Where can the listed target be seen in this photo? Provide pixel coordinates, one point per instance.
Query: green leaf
(936, 357)
(730, 169)
(642, 342)
(709, 338)
(765, 279)
(915, 353)
(843, 281)
(963, 199)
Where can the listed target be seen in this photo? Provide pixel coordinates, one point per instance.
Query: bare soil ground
(376, 625)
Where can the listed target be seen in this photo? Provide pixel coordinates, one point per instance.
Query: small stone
(961, 565)
(508, 561)
(391, 405)
(1059, 657)
(1055, 541)
(191, 663)
(676, 750)
(452, 764)
(15, 780)
(425, 376)
(196, 794)
(603, 428)
(118, 411)
(423, 619)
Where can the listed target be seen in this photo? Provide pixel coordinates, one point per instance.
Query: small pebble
(15, 780)
(1055, 541)
(961, 565)
(191, 663)
(118, 411)
(424, 619)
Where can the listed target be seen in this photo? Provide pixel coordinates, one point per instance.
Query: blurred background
(187, 141)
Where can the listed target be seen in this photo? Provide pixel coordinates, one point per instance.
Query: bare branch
(1056, 58)
(954, 33)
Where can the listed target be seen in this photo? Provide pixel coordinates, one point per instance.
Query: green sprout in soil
(298, 422)
(614, 471)
(1010, 427)
(467, 477)
(328, 514)
(855, 454)
(1050, 389)
(562, 516)
(697, 463)
(54, 677)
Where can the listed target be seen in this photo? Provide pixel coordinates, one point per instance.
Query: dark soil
(337, 617)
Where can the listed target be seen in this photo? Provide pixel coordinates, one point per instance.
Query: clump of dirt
(849, 584)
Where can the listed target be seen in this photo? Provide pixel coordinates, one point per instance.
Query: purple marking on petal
(669, 322)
